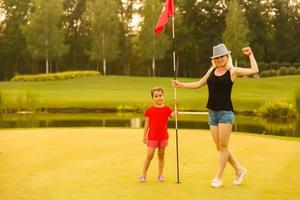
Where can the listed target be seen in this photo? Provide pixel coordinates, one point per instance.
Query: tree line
(43, 36)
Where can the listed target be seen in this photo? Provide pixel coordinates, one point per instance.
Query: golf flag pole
(167, 12)
(175, 96)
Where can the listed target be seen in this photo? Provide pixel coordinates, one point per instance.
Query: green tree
(77, 33)
(283, 42)
(257, 14)
(295, 56)
(14, 56)
(202, 27)
(44, 33)
(105, 32)
(236, 33)
(186, 49)
(150, 46)
(127, 9)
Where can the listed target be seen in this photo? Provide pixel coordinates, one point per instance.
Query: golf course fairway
(105, 163)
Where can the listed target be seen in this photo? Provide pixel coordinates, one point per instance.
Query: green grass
(104, 163)
(122, 92)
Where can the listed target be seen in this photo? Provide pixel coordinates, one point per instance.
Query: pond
(251, 124)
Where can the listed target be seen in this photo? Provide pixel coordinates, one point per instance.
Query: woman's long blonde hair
(229, 63)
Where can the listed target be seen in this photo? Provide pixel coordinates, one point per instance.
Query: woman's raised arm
(238, 71)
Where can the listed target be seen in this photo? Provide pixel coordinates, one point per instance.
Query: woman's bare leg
(231, 158)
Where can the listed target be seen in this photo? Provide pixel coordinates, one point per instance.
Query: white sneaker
(216, 183)
(239, 179)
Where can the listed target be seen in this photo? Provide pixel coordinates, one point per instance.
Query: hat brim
(228, 52)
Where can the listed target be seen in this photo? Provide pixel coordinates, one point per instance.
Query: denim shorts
(223, 117)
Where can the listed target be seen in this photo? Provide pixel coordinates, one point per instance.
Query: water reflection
(250, 124)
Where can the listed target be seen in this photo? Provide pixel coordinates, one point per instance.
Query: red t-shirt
(158, 119)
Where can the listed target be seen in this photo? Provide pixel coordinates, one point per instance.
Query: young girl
(155, 131)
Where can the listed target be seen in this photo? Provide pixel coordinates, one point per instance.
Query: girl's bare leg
(148, 159)
(161, 160)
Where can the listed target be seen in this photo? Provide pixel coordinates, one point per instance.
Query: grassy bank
(104, 163)
(130, 93)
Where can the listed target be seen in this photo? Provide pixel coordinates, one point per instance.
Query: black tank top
(219, 90)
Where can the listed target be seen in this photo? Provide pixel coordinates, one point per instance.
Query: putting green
(105, 163)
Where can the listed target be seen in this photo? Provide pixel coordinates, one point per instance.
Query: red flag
(168, 11)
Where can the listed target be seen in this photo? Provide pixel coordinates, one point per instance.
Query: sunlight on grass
(104, 163)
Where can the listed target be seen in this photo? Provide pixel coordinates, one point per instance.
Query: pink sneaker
(142, 179)
(160, 179)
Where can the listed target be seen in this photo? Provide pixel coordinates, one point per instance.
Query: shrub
(292, 70)
(26, 101)
(268, 73)
(297, 95)
(282, 71)
(263, 66)
(273, 72)
(265, 73)
(55, 76)
(1, 102)
(31, 101)
(285, 64)
(277, 110)
(297, 65)
(274, 65)
(298, 71)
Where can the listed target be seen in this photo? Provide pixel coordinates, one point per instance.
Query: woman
(220, 78)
